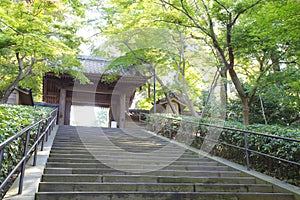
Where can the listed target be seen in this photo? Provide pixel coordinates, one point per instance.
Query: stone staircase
(93, 163)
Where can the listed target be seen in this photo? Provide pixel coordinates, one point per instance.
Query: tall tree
(38, 36)
(216, 20)
(247, 37)
(140, 18)
(267, 46)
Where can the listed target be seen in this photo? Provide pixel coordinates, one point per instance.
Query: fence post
(186, 133)
(170, 128)
(140, 118)
(247, 152)
(48, 127)
(155, 125)
(24, 163)
(147, 122)
(1, 158)
(43, 138)
(53, 123)
(37, 144)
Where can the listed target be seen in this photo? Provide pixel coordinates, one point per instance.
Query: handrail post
(48, 129)
(52, 124)
(43, 138)
(1, 157)
(170, 128)
(37, 144)
(211, 132)
(140, 118)
(155, 125)
(186, 133)
(24, 163)
(246, 151)
(147, 122)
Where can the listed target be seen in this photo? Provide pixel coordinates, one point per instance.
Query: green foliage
(274, 147)
(254, 38)
(38, 37)
(102, 117)
(280, 95)
(12, 120)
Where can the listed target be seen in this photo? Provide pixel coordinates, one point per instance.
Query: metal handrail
(240, 131)
(42, 135)
(232, 129)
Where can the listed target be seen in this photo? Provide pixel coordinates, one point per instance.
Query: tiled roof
(97, 65)
(173, 97)
(93, 64)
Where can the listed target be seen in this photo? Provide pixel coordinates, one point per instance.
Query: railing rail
(40, 138)
(244, 133)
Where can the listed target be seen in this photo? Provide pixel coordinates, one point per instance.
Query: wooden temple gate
(117, 96)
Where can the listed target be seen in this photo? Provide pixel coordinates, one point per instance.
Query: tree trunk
(20, 77)
(241, 93)
(262, 109)
(223, 92)
(275, 61)
(213, 86)
(182, 71)
(245, 111)
(10, 89)
(187, 99)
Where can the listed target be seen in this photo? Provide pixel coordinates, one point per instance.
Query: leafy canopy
(37, 37)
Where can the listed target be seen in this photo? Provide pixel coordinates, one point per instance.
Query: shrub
(14, 118)
(274, 147)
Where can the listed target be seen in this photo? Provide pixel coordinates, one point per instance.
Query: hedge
(14, 118)
(275, 147)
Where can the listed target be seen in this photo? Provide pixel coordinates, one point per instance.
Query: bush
(274, 147)
(14, 118)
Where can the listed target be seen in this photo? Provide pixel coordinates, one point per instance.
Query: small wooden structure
(21, 96)
(117, 95)
(163, 106)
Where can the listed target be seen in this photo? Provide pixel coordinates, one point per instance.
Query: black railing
(43, 128)
(155, 123)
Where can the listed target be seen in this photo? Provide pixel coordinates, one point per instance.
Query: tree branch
(252, 95)
(222, 6)
(244, 10)
(20, 63)
(172, 22)
(12, 28)
(186, 13)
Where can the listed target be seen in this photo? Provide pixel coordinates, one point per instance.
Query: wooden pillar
(122, 110)
(68, 113)
(62, 106)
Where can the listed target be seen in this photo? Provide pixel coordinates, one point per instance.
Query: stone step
(144, 160)
(162, 196)
(108, 149)
(117, 151)
(165, 172)
(152, 187)
(136, 167)
(81, 145)
(141, 168)
(129, 165)
(143, 178)
(116, 156)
